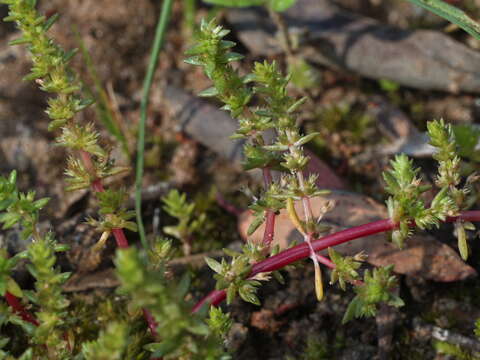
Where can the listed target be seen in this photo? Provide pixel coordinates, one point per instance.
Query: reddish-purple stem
(97, 185)
(17, 306)
(152, 324)
(120, 238)
(302, 251)
(325, 261)
(224, 204)
(118, 234)
(269, 232)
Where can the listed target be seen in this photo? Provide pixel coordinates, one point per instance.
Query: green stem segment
(147, 84)
(269, 232)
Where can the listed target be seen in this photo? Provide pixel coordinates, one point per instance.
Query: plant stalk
(302, 250)
(269, 231)
(118, 234)
(325, 261)
(147, 85)
(15, 304)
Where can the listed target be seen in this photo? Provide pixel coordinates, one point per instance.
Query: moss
(316, 349)
(456, 351)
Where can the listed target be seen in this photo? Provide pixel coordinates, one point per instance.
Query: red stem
(227, 206)
(119, 234)
(325, 261)
(302, 251)
(97, 185)
(17, 306)
(269, 232)
(152, 324)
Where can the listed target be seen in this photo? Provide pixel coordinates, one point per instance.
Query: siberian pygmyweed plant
(46, 315)
(275, 110)
(50, 329)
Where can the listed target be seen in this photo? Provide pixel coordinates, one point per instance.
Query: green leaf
(388, 85)
(12, 178)
(38, 20)
(211, 91)
(248, 78)
(31, 269)
(13, 288)
(9, 219)
(172, 231)
(39, 204)
(200, 329)
(257, 157)
(226, 44)
(233, 56)
(9, 18)
(256, 223)
(279, 277)
(163, 348)
(396, 301)
(236, 3)
(462, 240)
(55, 124)
(19, 41)
(183, 286)
(467, 138)
(3, 285)
(51, 20)
(61, 247)
(247, 293)
(275, 147)
(3, 342)
(296, 105)
(84, 103)
(306, 138)
(352, 310)
(452, 14)
(214, 265)
(194, 60)
(5, 203)
(280, 5)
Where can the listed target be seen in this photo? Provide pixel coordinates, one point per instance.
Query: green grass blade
(147, 84)
(190, 9)
(452, 14)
